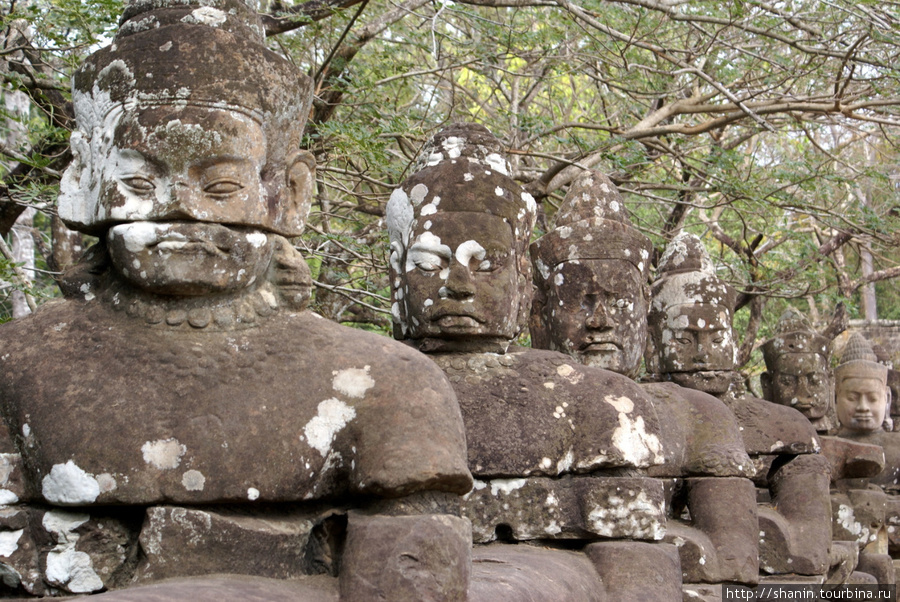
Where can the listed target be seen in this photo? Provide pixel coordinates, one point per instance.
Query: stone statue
(863, 398)
(798, 375)
(692, 344)
(592, 295)
(188, 372)
(560, 451)
(798, 371)
(863, 513)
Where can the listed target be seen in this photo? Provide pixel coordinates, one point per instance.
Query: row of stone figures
(181, 427)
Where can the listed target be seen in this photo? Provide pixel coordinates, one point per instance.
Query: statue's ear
(301, 181)
(538, 322)
(765, 380)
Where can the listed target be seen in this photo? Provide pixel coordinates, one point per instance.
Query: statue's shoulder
(385, 356)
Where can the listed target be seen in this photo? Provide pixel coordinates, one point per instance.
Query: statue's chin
(714, 382)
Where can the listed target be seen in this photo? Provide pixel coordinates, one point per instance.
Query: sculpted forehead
(861, 384)
(800, 363)
(457, 227)
(186, 134)
(700, 316)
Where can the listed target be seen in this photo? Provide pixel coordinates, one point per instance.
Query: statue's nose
(459, 282)
(599, 317)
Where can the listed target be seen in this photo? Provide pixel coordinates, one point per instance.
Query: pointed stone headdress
(686, 276)
(860, 361)
(794, 334)
(184, 53)
(591, 224)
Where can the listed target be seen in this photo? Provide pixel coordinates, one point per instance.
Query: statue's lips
(451, 320)
(600, 346)
(178, 243)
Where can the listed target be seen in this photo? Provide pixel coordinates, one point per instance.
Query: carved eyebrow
(216, 160)
(146, 160)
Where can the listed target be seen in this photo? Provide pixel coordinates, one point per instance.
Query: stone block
(725, 510)
(183, 542)
(842, 559)
(636, 571)
(229, 588)
(530, 574)
(578, 507)
(859, 515)
(422, 557)
(852, 459)
(880, 566)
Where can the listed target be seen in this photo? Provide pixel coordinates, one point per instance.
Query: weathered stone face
(459, 229)
(168, 162)
(461, 277)
(188, 116)
(861, 403)
(696, 347)
(597, 313)
(800, 380)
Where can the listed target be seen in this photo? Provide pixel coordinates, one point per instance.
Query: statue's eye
(683, 340)
(223, 187)
(139, 184)
(428, 262)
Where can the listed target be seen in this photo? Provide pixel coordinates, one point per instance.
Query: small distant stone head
(459, 230)
(862, 396)
(798, 367)
(186, 154)
(590, 274)
(691, 340)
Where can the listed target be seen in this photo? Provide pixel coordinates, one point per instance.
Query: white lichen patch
(569, 373)
(8, 497)
(637, 446)
(67, 484)
(352, 382)
(107, 482)
(565, 462)
(846, 518)
(253, 494)
(469, 250)
(193, 480)
(333, 415)
(66, 567)
(506, 486)
(639, 517)
(164, 454)
(9, 542)
(257, 239)
(621, 404)
(206, 15)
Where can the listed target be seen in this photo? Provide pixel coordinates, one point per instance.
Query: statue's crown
(592, 224)
(687, 277)
(860, 361)
(794, 334)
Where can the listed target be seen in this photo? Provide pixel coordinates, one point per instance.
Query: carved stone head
(186, 154)
(861, 393)
(459, 230)
(797, 362)
(590, 274)
(691, 340)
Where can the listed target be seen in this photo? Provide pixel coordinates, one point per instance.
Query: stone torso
(531, 412)
(110, 410)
